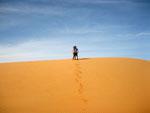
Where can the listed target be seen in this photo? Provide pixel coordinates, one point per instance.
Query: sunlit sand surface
(97, 85)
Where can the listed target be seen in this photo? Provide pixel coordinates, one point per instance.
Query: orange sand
(98, 85)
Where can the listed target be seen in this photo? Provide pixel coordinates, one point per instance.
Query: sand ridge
(94, 85)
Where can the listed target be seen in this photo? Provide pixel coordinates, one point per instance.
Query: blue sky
(47, 29)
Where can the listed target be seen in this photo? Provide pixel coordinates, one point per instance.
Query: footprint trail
(81, 85)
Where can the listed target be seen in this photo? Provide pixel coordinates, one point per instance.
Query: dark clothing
(75, 53)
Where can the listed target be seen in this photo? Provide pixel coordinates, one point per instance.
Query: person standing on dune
(75, 53)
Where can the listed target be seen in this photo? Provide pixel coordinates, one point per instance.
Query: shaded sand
(98, 85)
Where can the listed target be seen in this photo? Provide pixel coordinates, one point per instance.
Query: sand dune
(98, 85)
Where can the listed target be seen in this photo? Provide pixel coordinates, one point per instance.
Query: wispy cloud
(31, 9)
(56, 48)
(34, 49)
(131, 36)
(143, 34)
(104, 1)
(111, 1)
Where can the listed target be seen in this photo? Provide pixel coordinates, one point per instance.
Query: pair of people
(75, 53)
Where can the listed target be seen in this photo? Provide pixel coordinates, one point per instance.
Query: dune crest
(96, 85)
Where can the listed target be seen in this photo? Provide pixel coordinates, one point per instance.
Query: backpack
(75, 50)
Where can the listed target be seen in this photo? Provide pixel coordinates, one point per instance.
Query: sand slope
(98, 85)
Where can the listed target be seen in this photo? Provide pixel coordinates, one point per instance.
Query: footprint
(77, 80)
(80, 90)
(84, 100)
(79, 71)
(78, 76)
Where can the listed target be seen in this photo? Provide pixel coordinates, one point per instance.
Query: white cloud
(101, 1)
(31, 9)
(131, 36)
(143, 34)
(58, 49)
(34, 49)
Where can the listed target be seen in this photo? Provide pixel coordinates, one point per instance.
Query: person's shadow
(83, 58)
